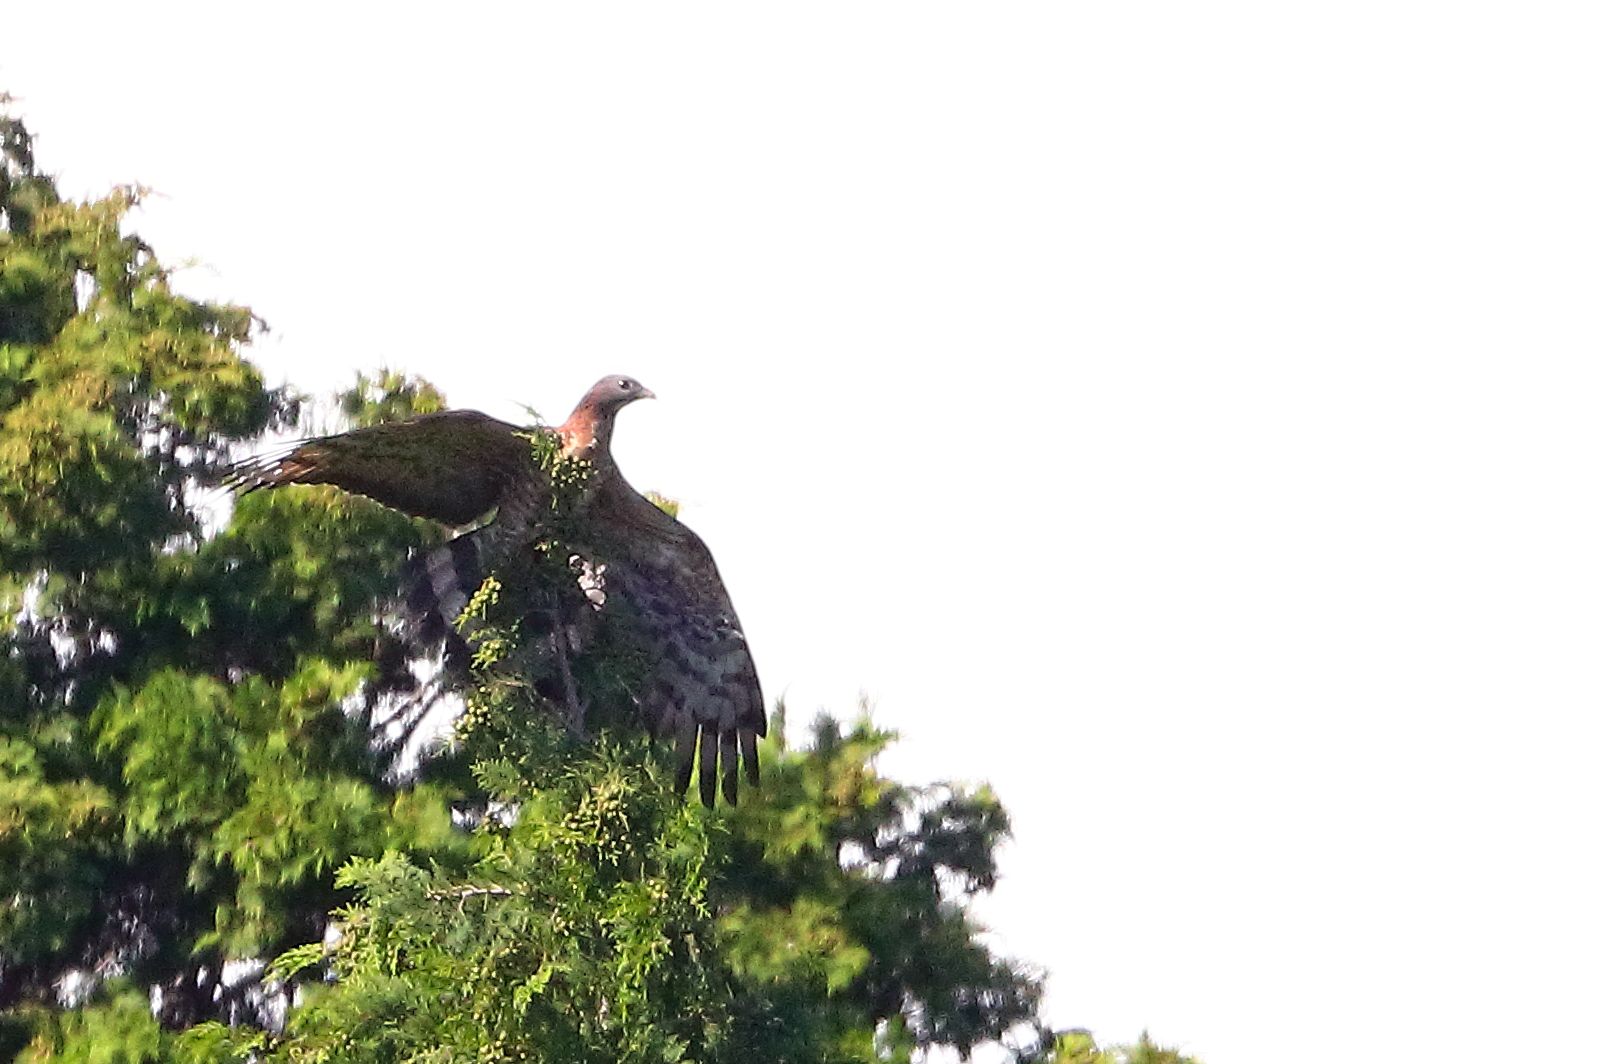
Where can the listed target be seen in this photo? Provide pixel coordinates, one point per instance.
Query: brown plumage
(639, 562)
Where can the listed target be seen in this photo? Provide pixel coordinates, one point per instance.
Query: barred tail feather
(441, 582)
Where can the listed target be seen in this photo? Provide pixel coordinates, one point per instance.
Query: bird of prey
(632, 559)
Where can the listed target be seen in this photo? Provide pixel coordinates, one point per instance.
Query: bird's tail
(441, 582)
(442, 601)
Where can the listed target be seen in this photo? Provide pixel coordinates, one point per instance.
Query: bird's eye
(624, 384)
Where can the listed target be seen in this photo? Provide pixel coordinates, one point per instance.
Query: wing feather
(453, 466)
(702, 676)
(686, 732)
(730, 766)
(708, 766)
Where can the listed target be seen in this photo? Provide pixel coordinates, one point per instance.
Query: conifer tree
(184, 761)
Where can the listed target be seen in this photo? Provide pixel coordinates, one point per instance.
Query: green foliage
(119, 1029)
(1078, 1047)
(578, 930)
(606, 920)
(184, 752)
(668, 506)
(255, 778)
(572, 937)
(388, 396)
(842, 900)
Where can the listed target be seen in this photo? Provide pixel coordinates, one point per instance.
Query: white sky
(1181, 415)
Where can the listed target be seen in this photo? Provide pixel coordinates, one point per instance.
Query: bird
(634, 563)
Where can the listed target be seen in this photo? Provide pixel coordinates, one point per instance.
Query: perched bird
(631, 559)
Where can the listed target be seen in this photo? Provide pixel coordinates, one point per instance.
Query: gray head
(611, 394)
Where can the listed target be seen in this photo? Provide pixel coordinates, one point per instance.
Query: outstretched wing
(701, 688)
(453, 466)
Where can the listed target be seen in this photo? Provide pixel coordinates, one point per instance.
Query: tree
(184, 751)
(610, 921)
(200, 766)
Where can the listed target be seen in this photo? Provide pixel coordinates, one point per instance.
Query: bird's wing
(452, 466)
(701, 688)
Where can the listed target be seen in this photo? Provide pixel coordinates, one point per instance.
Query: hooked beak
(645, 393)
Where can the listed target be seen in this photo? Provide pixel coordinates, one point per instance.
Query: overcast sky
(1181, 415)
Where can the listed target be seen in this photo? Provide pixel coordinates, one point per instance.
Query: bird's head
(611, 394)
